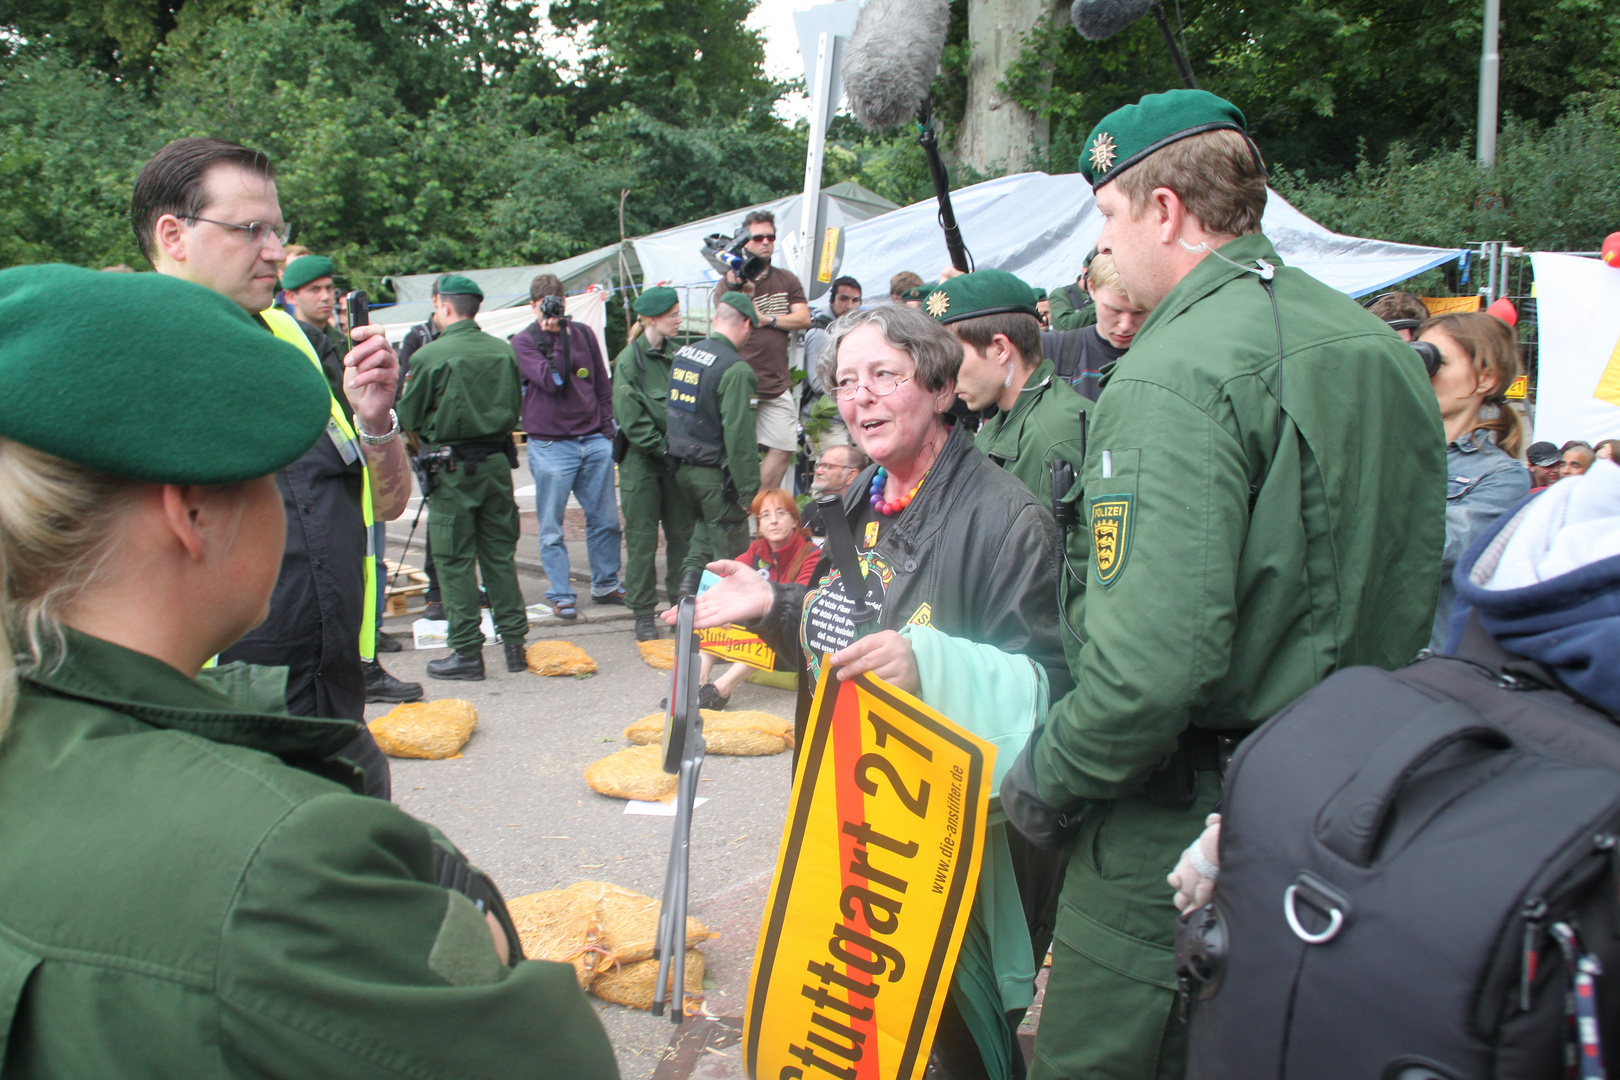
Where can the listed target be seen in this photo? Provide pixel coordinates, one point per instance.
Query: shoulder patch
(464, 953)
(1112, 520)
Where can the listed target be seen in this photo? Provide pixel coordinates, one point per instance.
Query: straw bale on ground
(561, 925)
(659, 654)
(744, 733)
(425, 729)
(636, 772)
(559, 658)
(633, 984)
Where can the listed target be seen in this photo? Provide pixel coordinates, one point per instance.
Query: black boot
(690, 582)
(434, 611)
(646, 628)
(515, 660)
(459, 665)
(387, 642)
(381, 686)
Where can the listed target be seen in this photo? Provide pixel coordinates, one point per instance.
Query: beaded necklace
(875, 493)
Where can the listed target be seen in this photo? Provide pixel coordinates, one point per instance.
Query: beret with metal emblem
(983, 292)
(91, 371)
(305, 269)
(1132, 132)
(656, 300)
(456, 285)
(742, 303)
(918, 292)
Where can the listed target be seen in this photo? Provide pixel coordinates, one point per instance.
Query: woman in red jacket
(784, 553)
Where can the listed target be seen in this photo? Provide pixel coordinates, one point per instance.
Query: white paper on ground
(434, 633)
(657, 809)
(539, 611)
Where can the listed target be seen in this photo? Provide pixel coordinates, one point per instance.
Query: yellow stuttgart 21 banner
(735, 643)
(874, 883)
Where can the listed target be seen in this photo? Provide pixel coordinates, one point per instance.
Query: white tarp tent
(1578, 320)
(1040, 227)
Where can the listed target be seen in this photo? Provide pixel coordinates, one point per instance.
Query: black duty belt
(1173, 783)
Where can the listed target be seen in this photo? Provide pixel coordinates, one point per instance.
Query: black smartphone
(683, 686)
(356, 312)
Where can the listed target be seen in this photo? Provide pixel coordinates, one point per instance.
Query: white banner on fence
(1578, 387)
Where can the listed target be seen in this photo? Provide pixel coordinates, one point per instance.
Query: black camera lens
(1430, 355)
(553, 307)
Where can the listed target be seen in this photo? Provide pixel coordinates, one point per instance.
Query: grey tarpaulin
(1040, 227)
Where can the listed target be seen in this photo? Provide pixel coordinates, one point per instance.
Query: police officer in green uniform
(465, 394)
(1259, 517)
(648, 493)
(1038, 432)
(710, 430)
(268, 919)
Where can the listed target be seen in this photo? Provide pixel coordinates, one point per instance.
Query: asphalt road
(517, 803)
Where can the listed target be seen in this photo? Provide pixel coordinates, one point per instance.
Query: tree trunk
(996, 134)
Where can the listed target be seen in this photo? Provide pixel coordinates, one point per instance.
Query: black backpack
(1418, 882)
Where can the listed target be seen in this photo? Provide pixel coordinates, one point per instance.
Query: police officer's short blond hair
(1103, 274)
(1217, 175)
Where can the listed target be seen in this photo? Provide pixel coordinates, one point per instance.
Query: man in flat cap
(648, 493)
(465, 395)
(710, 430)
(206, 210)
(1253, 528)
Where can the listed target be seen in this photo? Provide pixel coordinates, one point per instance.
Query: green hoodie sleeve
(737, 389)
(640, 424)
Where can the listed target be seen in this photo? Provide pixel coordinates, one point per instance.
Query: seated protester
(1578, 457)
(195, 886)
(1404, 313)
(1478, 360)
(1608, 450)
(784, 554)
(1546, 465)
(960, 559)
(1081, 356)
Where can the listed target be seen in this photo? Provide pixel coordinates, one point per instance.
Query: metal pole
(809, 242)
(1490, 63)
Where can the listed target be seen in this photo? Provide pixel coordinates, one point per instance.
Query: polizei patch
(1112, 519)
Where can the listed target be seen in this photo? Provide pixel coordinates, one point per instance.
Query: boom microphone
(892, 58)
(1099, 19)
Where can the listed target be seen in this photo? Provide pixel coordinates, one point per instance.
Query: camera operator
(568, 415)
(206, 211)
(1404, 312)
(465, 398)
(782, 308)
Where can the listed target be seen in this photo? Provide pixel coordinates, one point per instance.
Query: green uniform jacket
(641, 396)
(1046, 426)
(190, 892)
(1199, 611)
(1065, 316)
(464, 387)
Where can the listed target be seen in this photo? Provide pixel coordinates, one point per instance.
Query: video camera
(553, 307)
(726, 255)
(1429, 353)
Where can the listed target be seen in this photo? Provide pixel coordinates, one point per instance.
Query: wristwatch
(380, 440)
(773, 322)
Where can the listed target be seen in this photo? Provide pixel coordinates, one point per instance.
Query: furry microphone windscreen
(1098, 19)
(892, 58)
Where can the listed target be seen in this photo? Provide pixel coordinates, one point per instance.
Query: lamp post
(1490, 65)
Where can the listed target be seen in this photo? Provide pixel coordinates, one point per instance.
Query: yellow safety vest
(286, 328)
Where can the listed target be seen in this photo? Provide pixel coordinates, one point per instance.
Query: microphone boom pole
(1176, 54)
(928, 139)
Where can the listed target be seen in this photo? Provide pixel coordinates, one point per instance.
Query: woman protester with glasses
(194, 885)
(961, 562)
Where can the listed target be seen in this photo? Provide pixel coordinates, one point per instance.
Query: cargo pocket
(16, 966)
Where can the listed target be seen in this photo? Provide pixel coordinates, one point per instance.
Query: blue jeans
(584, 467)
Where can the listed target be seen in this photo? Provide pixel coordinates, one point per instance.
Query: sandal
(565, 609)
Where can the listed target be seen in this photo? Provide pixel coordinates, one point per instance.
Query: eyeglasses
(883, 384)
(258, 232)
(828, 466)
(758, 237)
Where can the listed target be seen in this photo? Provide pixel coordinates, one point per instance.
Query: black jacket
(974, 546)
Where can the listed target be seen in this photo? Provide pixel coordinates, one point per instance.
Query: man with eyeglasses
(779, 299)
(837, 469)
(206, 210)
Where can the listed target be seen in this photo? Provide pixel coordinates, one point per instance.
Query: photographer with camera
(782, 308)
(568, 415)
(464, 398)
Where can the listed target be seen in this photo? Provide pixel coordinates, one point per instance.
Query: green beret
(305, 269)
(92, 371)
(918, 292)
(742, 303)
(656, 300)
(1132, 132)
(1040, 294)
(983, 292)
(456, 285)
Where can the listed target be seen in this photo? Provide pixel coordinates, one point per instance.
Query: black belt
(1173, 783)
(1209, 749)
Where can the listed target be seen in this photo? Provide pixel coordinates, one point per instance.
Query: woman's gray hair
(932, 348)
